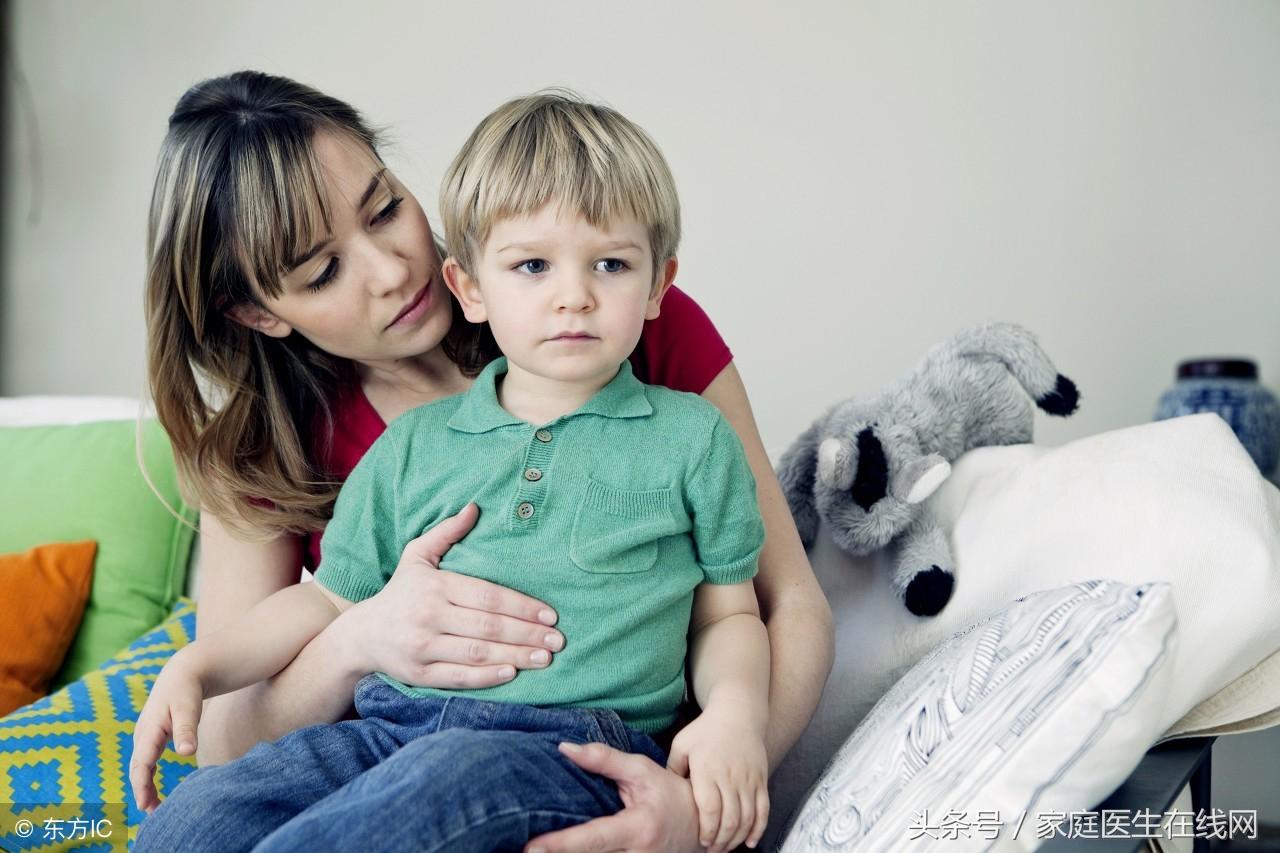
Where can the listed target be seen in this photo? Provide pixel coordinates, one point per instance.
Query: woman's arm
(263, 641)
(250, 649)
(660, 813)
(682, 349)
(792, 604)
(316, 687)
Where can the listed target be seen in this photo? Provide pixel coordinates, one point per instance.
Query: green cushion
(70, 483)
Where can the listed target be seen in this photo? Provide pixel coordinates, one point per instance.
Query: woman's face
(370, 291)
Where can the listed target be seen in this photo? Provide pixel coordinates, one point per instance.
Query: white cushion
(1177, 501)
(1044, 707)
(46, 410)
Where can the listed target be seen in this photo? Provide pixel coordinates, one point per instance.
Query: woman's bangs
(282, 210)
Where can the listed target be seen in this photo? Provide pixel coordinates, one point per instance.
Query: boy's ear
(666, 277)
(465, 289)
(259, 319)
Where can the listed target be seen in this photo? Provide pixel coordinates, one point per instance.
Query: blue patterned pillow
(1040, 709)
(64, 760)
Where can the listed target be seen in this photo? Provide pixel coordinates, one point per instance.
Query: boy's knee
(178, 820)
(211, 809)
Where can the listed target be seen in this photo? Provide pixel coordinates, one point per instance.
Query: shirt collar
(623, 397)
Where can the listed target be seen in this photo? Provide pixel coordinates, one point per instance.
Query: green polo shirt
(611, 514)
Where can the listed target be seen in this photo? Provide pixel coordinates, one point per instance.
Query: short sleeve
(681, 349)
(728, 532)
(361, 544)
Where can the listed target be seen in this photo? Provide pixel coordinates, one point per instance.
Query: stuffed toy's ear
(921, 478)
(796, 472)
(835, 467)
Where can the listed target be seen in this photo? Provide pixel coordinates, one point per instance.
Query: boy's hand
(724, 758)
(172, 709)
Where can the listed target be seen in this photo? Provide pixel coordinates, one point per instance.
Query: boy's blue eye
(611, 265)
(535, 266)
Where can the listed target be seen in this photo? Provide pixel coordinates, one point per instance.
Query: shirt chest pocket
(616, 531)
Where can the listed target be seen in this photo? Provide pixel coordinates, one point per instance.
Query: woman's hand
(658, 810)
(433, 628)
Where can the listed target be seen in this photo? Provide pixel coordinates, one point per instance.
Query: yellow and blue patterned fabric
(64, 760)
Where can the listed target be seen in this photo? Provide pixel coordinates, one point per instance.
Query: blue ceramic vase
(1230, 388)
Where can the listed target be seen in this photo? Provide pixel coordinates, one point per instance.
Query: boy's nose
(574, 294)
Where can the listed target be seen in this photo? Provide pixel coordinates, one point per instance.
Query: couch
(1001, 505)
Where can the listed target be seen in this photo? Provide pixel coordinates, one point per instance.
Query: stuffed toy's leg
(923, 569)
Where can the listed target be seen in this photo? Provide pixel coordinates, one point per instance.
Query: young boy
(629, 507)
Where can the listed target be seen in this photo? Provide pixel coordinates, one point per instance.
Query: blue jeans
(411, 774)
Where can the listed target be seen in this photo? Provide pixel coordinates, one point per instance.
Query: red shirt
(681, 349)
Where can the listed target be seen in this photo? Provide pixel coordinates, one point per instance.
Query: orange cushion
(44, 591)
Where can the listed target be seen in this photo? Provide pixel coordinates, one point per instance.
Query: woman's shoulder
(421, 432)
(357, 427)
(681, 348)
(424, 421)
(442, 408)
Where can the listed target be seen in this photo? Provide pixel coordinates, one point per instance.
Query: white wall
(858, 178)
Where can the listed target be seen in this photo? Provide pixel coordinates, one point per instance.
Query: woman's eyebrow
(372, 188)
(293, 263)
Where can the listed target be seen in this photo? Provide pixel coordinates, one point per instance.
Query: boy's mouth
(574, 337)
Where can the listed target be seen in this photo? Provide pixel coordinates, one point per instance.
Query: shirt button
(525, 510)
(533, 475)
(543, 435)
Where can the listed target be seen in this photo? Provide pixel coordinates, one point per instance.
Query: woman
(295, 307)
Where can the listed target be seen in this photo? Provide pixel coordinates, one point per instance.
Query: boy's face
(565, 300)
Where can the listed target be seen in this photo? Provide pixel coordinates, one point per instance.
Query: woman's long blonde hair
(238, 193)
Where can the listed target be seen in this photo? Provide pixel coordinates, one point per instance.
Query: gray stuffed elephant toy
(867, 465)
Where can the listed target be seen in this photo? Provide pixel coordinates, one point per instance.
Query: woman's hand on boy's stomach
(434, 628)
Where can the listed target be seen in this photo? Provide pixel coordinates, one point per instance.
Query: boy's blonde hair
(553, 145)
